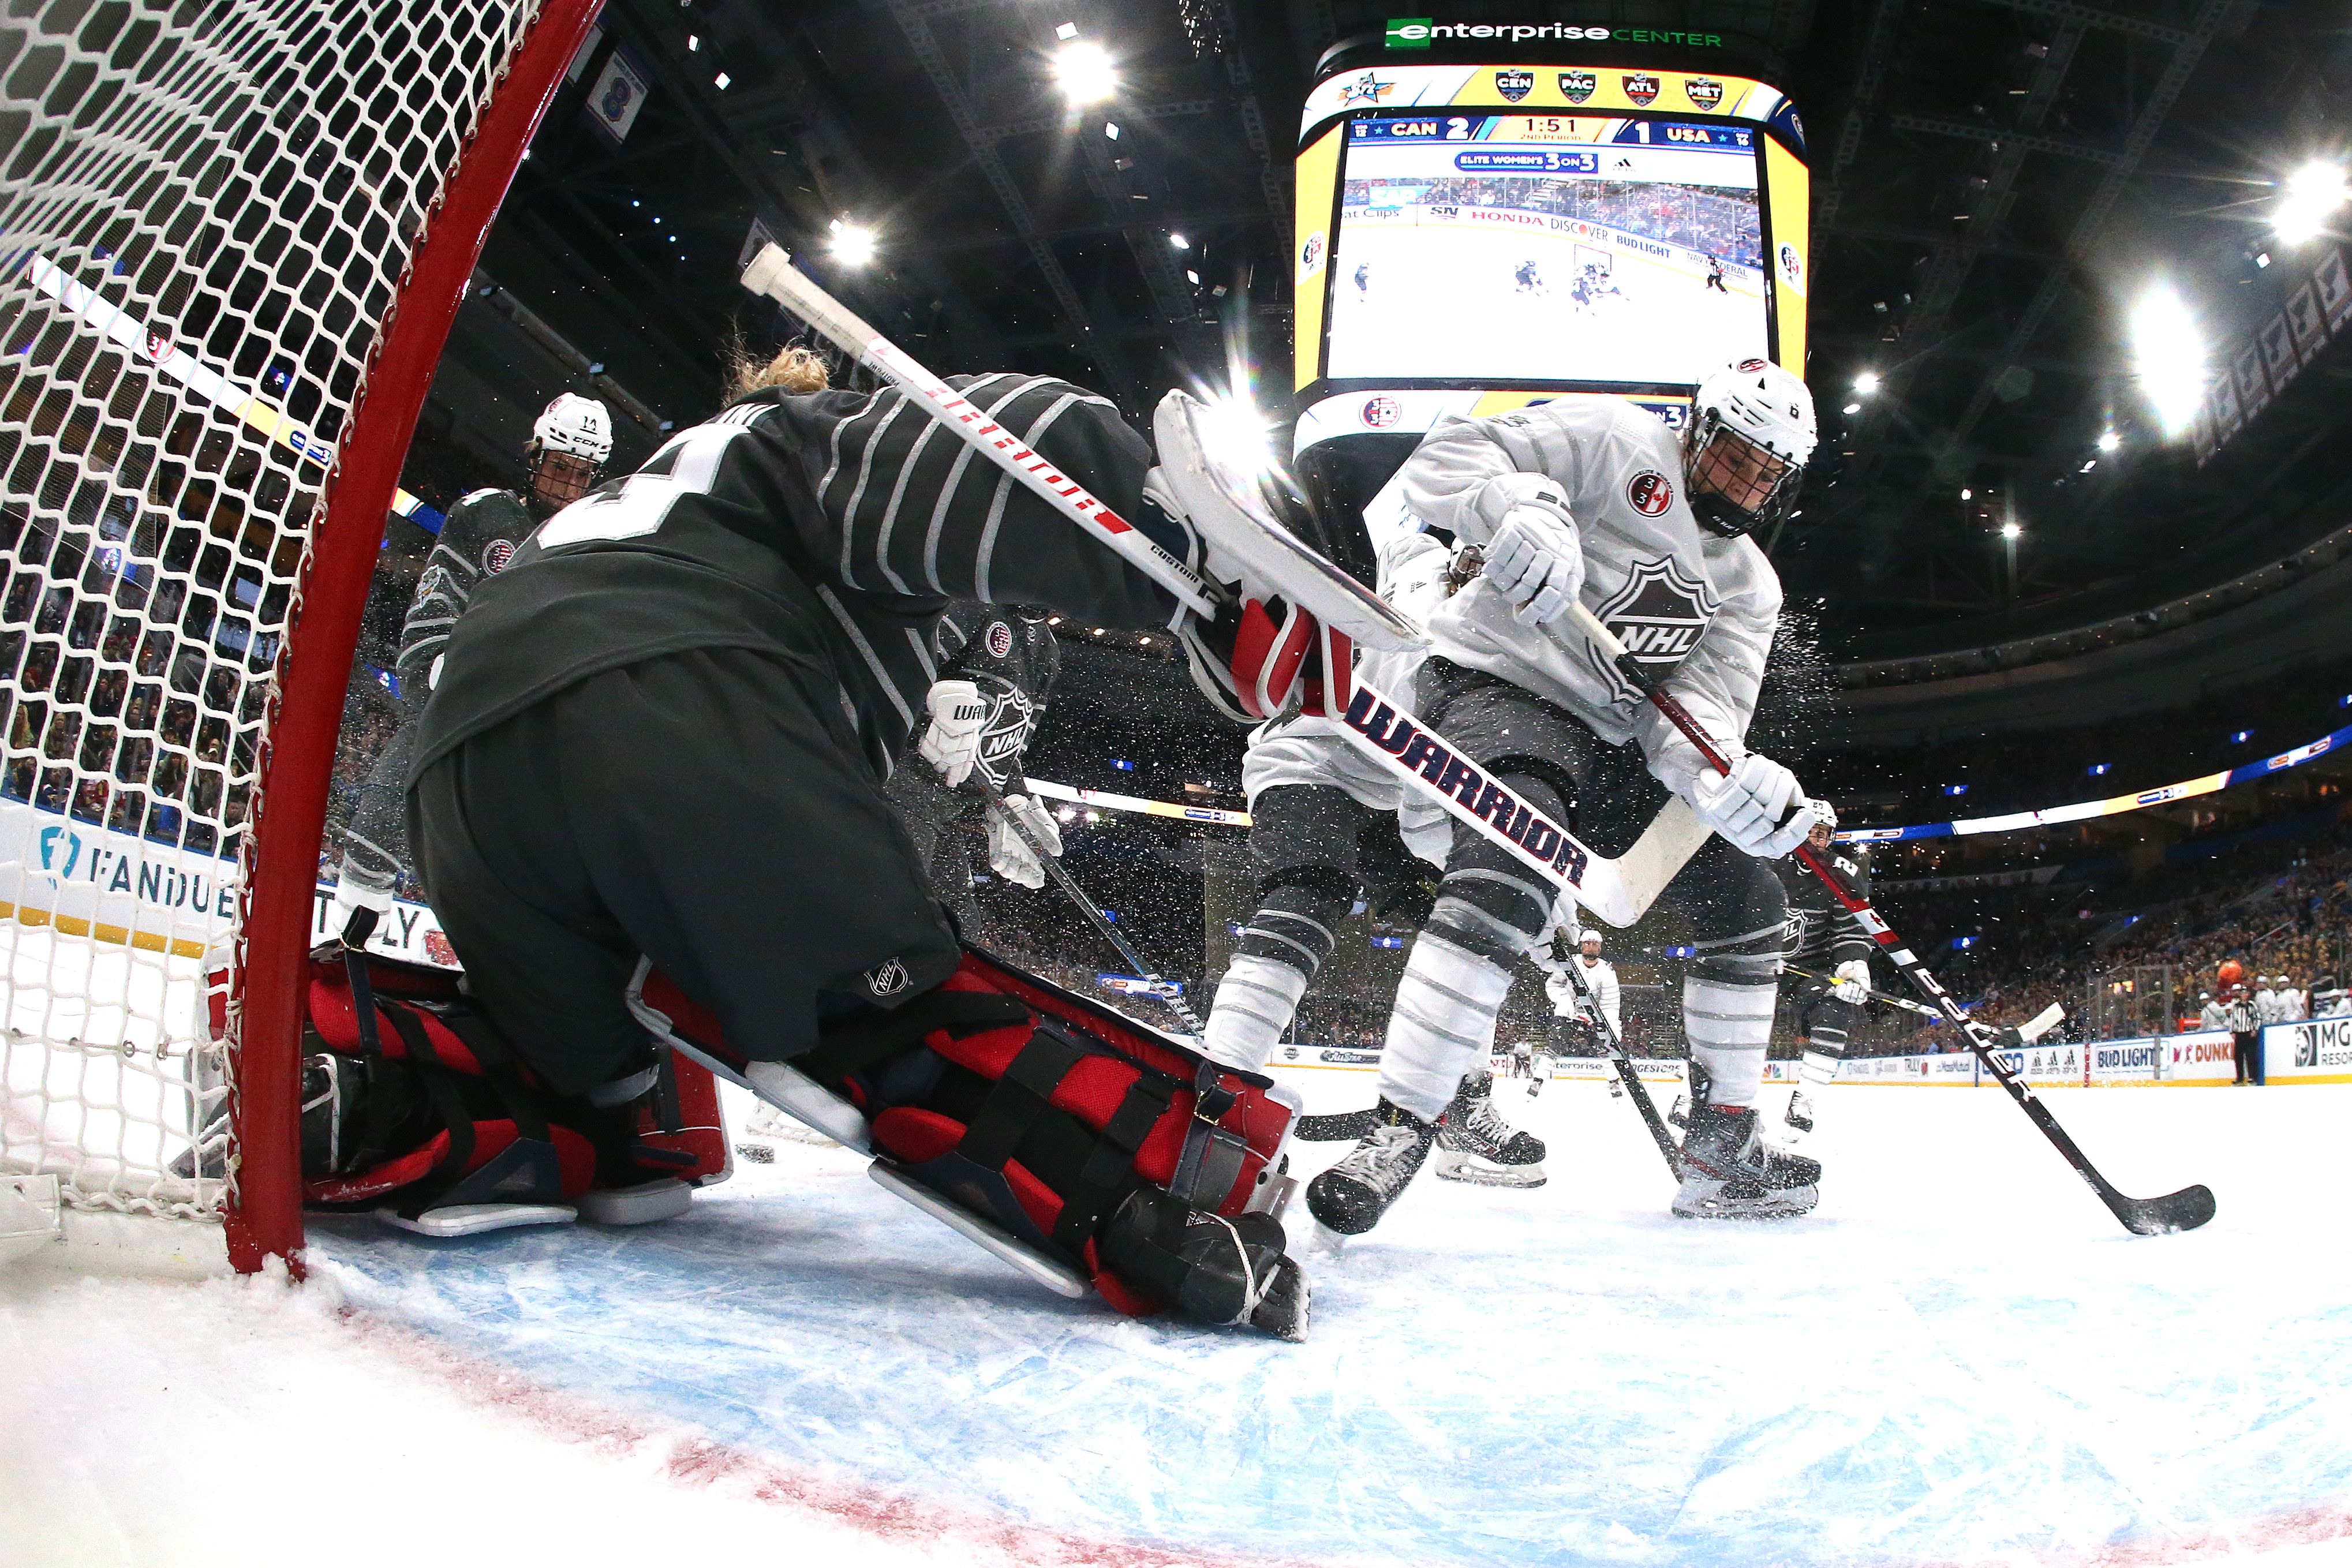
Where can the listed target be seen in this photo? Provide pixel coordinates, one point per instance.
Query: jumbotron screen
(1492, 248)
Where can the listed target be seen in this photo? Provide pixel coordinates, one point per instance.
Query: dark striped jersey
(1820, 928)
(478, 538)
(828, 529)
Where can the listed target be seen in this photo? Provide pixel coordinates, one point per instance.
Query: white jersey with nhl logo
(1685, 602)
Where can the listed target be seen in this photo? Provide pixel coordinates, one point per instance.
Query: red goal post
(222, 228)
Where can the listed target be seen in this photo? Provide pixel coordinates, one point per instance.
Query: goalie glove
(1010, 855)
(1757, 807)
(951, 739)
(1852, 982)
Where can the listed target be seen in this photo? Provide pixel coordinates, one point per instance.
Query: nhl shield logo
(1577, 85)
(1515, 85)
(1641, 88)
(1659, 614)
(889, 979)
(1650, 493)
(1705, 92)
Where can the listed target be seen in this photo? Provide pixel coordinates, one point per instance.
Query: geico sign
(2323, 1042)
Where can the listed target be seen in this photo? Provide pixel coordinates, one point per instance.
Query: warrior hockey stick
(1086, 906)
(1416, 756)
(2184, 1210)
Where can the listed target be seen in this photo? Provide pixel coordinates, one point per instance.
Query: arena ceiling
(1996, 181)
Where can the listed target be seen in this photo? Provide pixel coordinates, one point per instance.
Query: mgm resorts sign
(1419, 32)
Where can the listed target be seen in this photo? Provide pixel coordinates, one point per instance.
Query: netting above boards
(205, 211)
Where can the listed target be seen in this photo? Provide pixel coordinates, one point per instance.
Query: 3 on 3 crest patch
(1650, 493)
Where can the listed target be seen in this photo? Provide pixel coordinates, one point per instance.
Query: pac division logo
(1641, 88)
(1577, 85)
(1515, 85)
(1659, 614)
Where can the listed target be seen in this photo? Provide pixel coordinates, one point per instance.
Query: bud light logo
(61, 851)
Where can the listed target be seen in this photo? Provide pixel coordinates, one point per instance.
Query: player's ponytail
(795, 370)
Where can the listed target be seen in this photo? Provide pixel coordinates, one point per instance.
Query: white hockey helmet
(1767, 410)
(578, 425)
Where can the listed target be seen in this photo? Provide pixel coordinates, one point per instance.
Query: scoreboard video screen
(1488, 249)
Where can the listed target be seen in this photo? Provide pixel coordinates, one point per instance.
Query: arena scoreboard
(1473, 236)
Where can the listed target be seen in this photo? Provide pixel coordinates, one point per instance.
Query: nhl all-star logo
(496, 555)
(888, 980)
(1641, 88)
(1379, 412)
(1515, 85)
(1659, 614)
(1705, 92)
(1577, 85)
(1000, 640)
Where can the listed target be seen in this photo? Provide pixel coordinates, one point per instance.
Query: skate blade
(1461, 1168)
(1324, 1241)
(1708, 1202)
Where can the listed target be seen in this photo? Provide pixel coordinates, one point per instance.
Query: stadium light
(2109, 441)
(2011, 531)
(1967, 494)
(2169, 356)
(1179, 241)
(2308, 199)
(1853, 408)
(1084, 74)
(1239, 431)
(1866, 382)
(2099, 769)
(853, 243)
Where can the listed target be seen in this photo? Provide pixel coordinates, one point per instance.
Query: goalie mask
(1750, 434)
(565, 455)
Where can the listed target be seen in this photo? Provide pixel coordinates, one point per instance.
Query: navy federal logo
(1515, 85)
(1659, 614)
(1641, 87)
(1577, 86)
(1705, 92)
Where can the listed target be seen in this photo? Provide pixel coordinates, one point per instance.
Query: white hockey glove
(352, 895)
(1009, 855)
(1537, 560)
(951, 740)
(1757, 807)
(1852, 982)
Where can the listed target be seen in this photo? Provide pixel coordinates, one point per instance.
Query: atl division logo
(1641, 88)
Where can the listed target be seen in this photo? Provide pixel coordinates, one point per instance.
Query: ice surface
(1959, 1358)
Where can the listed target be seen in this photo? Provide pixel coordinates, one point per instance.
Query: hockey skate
(1729, 1172)
(1349, 1198)
(1475, 1145)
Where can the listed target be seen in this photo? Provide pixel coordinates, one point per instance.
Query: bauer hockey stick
(1416, 756)
(2184, 1210)
(1086, 906)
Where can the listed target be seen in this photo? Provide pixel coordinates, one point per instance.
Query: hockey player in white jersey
(1579, 1027)
(1591, 500)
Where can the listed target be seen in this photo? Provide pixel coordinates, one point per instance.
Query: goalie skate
(1474, 1144)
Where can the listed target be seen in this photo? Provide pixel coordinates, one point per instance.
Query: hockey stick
(1872, 992)
(2184, 1210)
(1086, 906)
(1416, 756)
(1634, 1088)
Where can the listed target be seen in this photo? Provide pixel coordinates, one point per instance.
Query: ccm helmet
(1750, 434)
(576, 432)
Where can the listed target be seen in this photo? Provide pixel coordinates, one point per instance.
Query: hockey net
(233, 233)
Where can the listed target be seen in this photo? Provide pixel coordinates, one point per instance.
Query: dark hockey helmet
(1750, 434)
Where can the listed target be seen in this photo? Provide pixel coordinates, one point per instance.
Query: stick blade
(2184, 1210)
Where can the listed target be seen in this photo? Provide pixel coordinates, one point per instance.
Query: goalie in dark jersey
(662, 737)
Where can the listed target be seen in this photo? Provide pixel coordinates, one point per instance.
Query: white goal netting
(206, 210)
